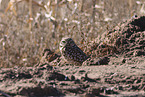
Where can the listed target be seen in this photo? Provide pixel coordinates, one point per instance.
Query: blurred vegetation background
(27, 27)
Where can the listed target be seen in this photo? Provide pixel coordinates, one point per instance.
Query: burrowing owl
(71, 52)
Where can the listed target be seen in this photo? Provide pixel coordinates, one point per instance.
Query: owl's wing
(79, 55)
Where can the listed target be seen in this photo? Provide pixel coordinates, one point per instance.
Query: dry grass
(29, 26)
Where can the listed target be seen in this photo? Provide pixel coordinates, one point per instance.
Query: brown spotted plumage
(71, 52)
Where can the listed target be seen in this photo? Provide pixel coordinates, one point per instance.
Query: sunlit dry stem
(82, 5)
(93, 14)
(30, 15)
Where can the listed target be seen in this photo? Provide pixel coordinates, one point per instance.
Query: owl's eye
(63, 42)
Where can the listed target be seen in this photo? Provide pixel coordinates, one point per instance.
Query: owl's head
(66, 42)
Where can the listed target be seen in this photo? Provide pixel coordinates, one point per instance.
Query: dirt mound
(45, 80)
(127, 38)
(30, 81)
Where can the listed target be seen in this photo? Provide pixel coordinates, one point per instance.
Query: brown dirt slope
(126, 38)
